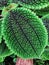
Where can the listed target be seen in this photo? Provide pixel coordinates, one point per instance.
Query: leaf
(45, 55)
(32, 4)
(24, 33)
(4, 3)
(42, 12)
(4, 51)
(45, 19)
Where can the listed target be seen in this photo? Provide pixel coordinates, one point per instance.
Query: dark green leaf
(24, 33)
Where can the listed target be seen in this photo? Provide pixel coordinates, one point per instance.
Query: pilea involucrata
(46, 23)
(24, 33)
(32, 4)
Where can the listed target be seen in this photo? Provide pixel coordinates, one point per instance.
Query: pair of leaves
(24, 33)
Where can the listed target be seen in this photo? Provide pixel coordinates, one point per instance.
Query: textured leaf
(45, 19)
(24, 33)
(4, 3)
(42, 12)
(0, 30)
(33, 4)
(4, 51)
(45, 55)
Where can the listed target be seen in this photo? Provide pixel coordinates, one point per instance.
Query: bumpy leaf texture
(0, 30)
(4, 51)
(4, 3)
(24, 33)
(42, 12)
(45, 55)
(33, 4)
(46, 23)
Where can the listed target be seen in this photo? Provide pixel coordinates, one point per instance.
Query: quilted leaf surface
(24, 33)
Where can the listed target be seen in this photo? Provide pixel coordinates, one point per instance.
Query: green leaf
(4, 51)
(45, 55)
(45, 19)
(4, 3)
(32, 4)
(24, 33)
(42, 12)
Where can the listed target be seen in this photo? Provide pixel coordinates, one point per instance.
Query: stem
(24, 61)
